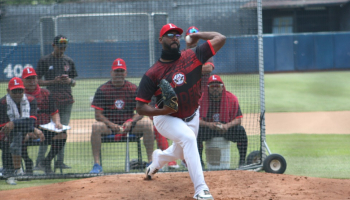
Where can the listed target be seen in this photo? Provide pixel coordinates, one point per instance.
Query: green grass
(313, 155)
(305, 92)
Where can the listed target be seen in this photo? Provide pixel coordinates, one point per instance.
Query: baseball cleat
(150, 171)
(205, 194)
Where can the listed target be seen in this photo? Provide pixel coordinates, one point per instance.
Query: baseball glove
(169, 95)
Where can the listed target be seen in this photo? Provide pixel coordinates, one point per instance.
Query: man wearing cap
(17, 117)
(114, 104)
(220, 116)
(47, 111)
(59, 72)
(183, 70)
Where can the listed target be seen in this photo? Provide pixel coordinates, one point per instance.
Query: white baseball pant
(183, 134)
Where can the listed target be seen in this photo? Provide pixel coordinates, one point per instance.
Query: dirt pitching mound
(223, 185)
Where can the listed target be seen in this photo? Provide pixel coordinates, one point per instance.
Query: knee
(146, 124)
(242, 133)
(96, 129)
(60, 136)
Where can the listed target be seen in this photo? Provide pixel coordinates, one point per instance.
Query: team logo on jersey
(216, 117)
(119, 104)
(179, 79)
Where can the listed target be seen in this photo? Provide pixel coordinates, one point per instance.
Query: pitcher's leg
(184, 136)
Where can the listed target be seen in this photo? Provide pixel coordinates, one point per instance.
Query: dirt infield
(242, 185)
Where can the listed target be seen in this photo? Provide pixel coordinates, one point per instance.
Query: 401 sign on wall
(15, 71)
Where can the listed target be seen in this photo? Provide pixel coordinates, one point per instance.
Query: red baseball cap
(192, 29)
(119, 64)
(215, 78)
(170, 27)
(15, 83)
(28, 71)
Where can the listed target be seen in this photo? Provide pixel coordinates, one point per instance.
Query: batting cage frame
(97, 38)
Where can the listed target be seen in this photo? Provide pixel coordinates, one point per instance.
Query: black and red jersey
(184, 75)
(117, 104)
(213, 114)
(46, 106)
(4, 119)
(50, 67)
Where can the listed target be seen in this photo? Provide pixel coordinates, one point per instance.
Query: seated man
(17, 117)
(46, 111)
(220, 116)
(114, 104)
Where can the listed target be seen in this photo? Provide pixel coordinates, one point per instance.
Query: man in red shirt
(220, 116)
(47, 111)
(17, 117)
(114, 104)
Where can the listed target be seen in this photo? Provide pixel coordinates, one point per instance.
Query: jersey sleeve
(41, 68)
(97, 102)
(239, 113)
(210, 61)
(146, 89)
(73, 73)
(204, 52)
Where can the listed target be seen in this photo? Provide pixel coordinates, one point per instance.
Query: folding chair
(128, 138)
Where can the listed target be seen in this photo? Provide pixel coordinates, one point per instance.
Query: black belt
(188, 119)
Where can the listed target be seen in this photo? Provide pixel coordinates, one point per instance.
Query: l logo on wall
(119, 104)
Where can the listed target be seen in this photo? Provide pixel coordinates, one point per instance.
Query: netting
(100, 32)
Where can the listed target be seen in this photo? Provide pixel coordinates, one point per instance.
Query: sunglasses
(216, 85)
(193, 30)
(17, 91)
(172, 35)
(63, 41)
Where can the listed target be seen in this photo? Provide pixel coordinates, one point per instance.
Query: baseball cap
(170, 27)
(28, 71)
(192, 29)
(119, 64)
(215, 78)
(15, 83)
(60, 41)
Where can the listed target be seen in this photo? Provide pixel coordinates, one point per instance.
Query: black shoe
(61, 166)
(241, 163)
(47, 167)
